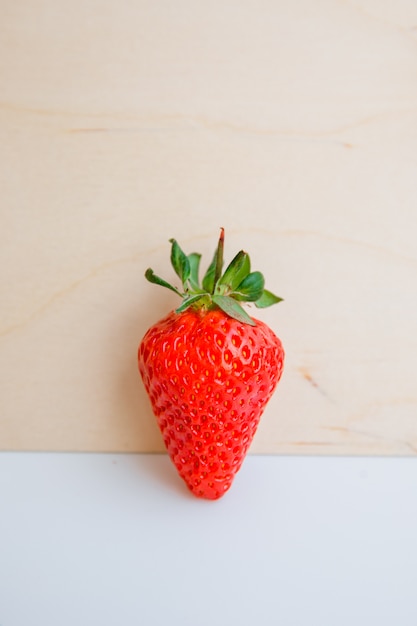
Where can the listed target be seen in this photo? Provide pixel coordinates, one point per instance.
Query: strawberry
(209, 368)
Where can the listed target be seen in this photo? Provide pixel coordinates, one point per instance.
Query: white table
(109, 539)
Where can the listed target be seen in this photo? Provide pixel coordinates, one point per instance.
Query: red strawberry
(209, 369)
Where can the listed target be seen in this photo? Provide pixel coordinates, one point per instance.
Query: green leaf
(208, 280)
(153, 278)
(180, 262)
(235, 272)
(267, 299)
(187, 302)
(194, 261)
(251, 288)
(233, 309)
(215, 268)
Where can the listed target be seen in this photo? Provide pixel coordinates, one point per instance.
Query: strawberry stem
(218, 290)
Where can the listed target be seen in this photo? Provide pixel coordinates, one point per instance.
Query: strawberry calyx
(218, 289)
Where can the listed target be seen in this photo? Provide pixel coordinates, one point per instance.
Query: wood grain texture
(293, 125)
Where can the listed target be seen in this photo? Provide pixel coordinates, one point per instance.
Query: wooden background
(291, 124)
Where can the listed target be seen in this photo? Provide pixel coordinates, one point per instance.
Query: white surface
(116, 539)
